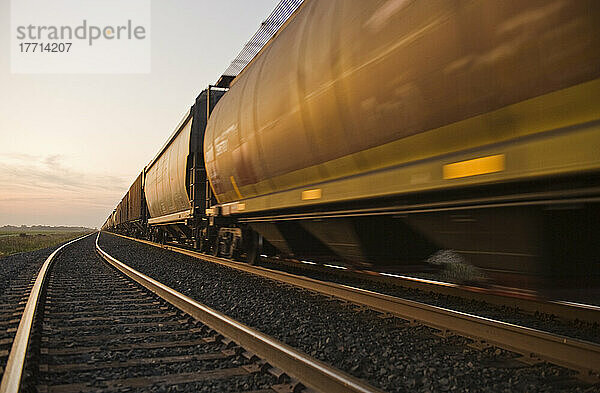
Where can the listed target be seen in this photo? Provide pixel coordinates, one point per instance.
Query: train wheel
(215, 251)
(227, 245)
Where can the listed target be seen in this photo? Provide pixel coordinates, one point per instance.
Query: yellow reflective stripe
(311, 194)
(476, 166)
(235, 187)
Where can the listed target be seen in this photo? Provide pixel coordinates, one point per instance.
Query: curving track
(13, 370)
(525, 302)
(95, 329)
(534, 345)
(104, 329)
(499, 296)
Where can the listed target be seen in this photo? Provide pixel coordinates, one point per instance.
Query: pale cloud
(70, 145)
(38, 189)
(53, 161)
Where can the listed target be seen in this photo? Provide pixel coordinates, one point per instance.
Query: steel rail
(13, 372)
(308, 371)
(576, 354)
(496, 295)
(562, 309)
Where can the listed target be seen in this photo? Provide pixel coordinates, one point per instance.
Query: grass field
(15, 242)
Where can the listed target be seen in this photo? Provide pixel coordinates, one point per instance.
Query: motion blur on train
(396, 136)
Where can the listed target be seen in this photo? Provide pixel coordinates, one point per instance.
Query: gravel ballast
(25, 264)
(17, 273)
(385, 352)
(540, 321)
(93, 317)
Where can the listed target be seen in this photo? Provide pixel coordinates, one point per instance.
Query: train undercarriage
(541, 237)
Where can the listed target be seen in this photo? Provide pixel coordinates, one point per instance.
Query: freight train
(378, 133)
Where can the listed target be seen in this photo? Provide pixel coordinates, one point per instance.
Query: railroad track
(504, 297)
(534, 345)
(13, 303)
(107, 327)
(568, 311)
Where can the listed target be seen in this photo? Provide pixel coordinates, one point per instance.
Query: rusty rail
(499, 296)
(561, 309)
(309, 371)
(11, 380)
(534, 344)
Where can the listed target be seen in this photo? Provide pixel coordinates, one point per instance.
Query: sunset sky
(70, 145)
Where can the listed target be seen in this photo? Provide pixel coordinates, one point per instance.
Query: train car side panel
(340, 99)
(165, 187)
(135, 199)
